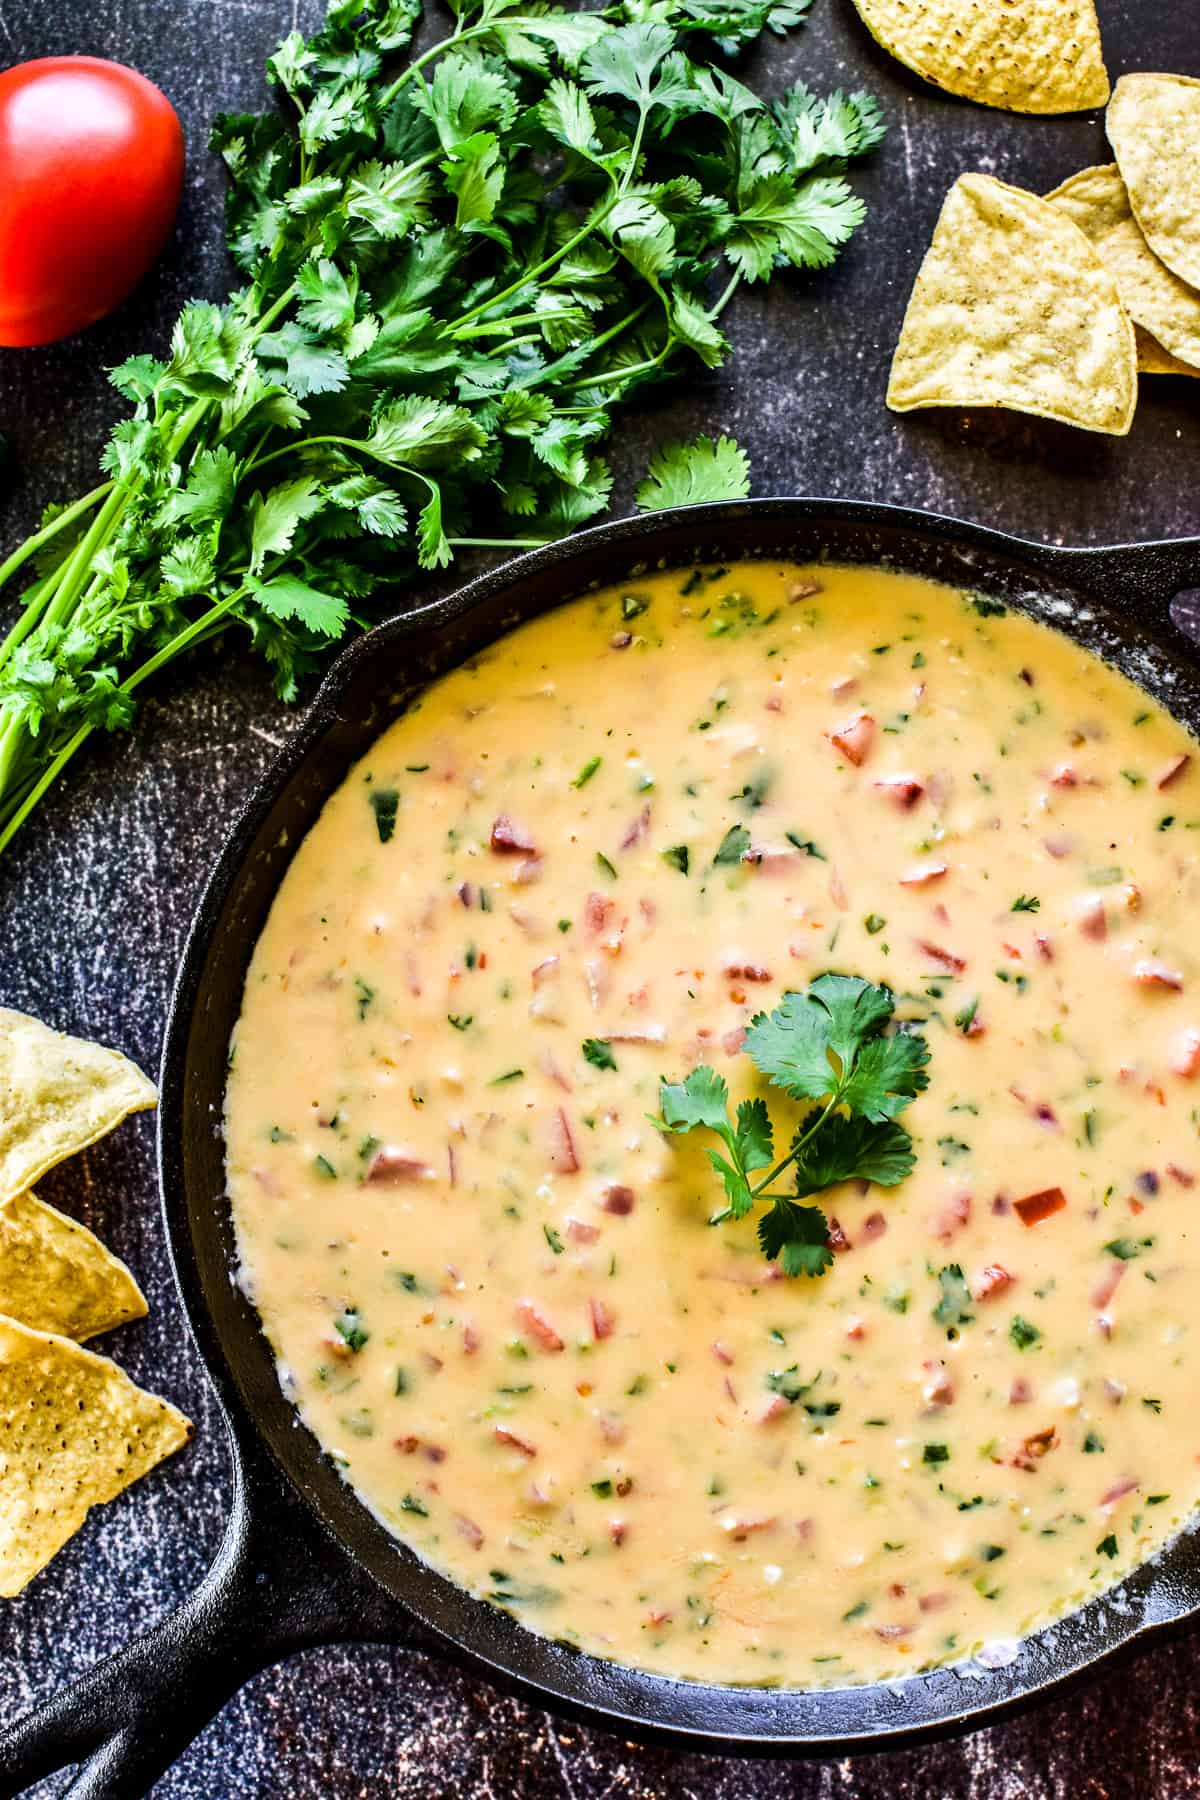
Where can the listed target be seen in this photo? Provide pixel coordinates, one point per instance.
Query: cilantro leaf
(466, 97)
(791, 1046)
(566, 113)
(475, 176)
(787, 1383)
(701, 1099)
(309, 366)
(736, 23)
(388, 199)
(887, 1073)
(569, 34)
(733, 846)
(826, 1040)
(285, 597)
(965, 1017)
(805, 226)
(327, 296)
(848, 1148)
(856, 1008)
(755, 1138)
(691, 474)
(952, 1309)
(374, 504)
(275, 516)
(421, 433)
(207, 494)
(135, 380)
(627, 62)
(797, 1237)
(434, 550)
(738, 1192)
(189, 568)
(827, 132)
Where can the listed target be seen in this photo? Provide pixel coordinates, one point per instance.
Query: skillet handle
(1161, 579)
(278, 1585)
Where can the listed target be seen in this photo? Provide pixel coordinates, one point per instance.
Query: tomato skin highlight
(91, 171)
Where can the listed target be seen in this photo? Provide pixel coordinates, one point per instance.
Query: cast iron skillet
(303, 1562)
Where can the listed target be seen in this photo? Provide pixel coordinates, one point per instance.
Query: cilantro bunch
(457, 264)
(829, 1045)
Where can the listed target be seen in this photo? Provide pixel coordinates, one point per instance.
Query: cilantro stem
(272, 313)
(73, 579)
(730, 289)
(344, 443)
(77, 567)
(10, 748)
(35, 596)
(49, 775)
(654, 362)
(182, 641)
(595, 218)
(499, 543)
(635, 150)
(29, 548)
(606, 337)
(457, 38)
(497, 327)
(760, 1192)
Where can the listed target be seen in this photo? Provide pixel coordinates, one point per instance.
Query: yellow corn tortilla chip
(1012, 307)
(1169, 309)
(1154, 360)
(1028, 56)
(1154, 128)
(58, 1094)
(74, 1432)
(55, 1275)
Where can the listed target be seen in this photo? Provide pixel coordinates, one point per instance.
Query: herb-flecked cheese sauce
(493, 1286)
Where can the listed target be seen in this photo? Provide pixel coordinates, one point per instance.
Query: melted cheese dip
(493, 1286)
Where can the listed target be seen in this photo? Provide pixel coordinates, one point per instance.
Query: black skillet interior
(1116, 602)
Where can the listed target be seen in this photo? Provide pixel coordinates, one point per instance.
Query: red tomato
(91, 169)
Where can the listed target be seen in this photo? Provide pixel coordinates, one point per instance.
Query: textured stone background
(94, 903)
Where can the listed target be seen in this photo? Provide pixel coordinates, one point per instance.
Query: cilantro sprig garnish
(457, 266)
(832, 1046)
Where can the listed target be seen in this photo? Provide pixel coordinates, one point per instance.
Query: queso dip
(493, 1286)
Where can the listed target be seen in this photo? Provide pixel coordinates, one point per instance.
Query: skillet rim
(1161, 1596)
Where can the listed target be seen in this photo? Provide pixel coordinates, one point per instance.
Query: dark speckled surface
(94, 904)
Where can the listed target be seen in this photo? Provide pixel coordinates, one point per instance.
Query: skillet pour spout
(303, 1561)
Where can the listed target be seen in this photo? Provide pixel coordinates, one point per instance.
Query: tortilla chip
(1012, 307)
(1154, 128)
(74, 1432)
(56, 1276)
(1154, 360)
(1097, 201)
(1028, 56)
(58, 1094)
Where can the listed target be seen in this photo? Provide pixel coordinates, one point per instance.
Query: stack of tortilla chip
(74, 1430)
(1053, 305)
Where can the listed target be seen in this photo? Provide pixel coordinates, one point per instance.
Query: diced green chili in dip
(582, 863)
